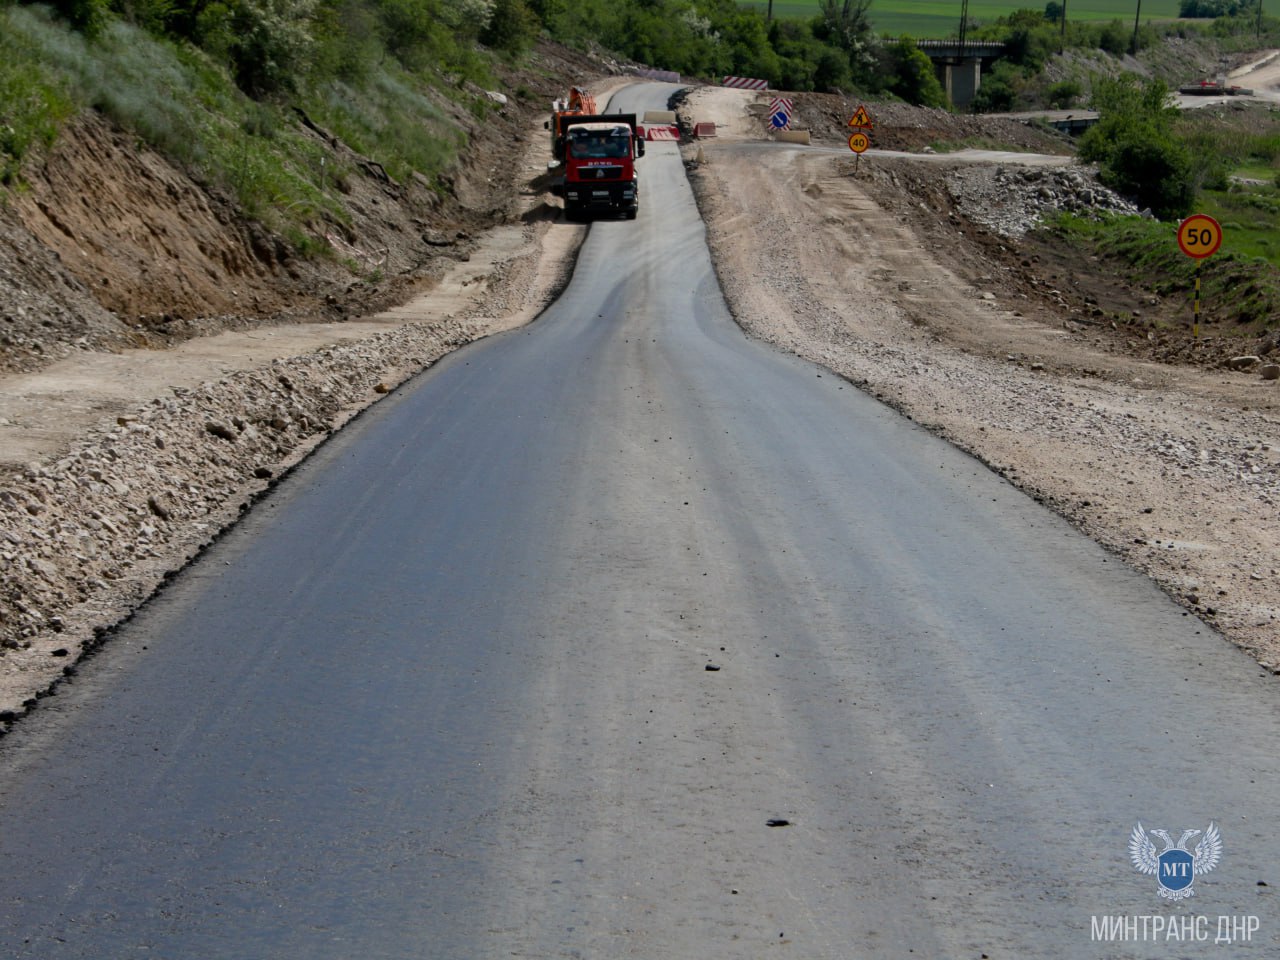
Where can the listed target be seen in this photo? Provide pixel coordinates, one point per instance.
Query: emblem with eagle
(1175, 868)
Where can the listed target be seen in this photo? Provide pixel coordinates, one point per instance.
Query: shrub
(1064, 94)
(266, 43)
(512, 27)
(1134, 143)
(32, 106)
(999, 90)
(913, 76)
(1114, 39)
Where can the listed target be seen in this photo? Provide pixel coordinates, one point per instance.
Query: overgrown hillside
(148, 198)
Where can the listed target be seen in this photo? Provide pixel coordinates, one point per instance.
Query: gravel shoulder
(899, 273)
(1174, 468)
(116, 469)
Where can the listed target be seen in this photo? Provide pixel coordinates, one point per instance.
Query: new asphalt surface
(621, 635)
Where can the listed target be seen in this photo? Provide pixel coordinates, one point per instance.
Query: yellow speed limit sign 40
(1199, 236)
(859, 142)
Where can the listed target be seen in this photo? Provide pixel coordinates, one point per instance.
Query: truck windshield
(586, 146)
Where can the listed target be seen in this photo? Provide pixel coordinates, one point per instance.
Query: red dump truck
(596, 154)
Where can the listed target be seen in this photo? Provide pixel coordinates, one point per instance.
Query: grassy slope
(180, 101)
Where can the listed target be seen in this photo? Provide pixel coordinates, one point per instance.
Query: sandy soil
(884, 271)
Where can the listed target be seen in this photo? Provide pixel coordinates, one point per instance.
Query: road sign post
(860, 139)
(780, 113)
(1199, 236)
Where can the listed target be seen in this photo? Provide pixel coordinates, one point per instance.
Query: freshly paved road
(445, 693)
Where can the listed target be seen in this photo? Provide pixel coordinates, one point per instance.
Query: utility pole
(769, 15)
(1259, 19)
(964, 23)
(1133, 46)
(1062, 43)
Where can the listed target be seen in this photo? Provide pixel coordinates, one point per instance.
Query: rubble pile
(1011, 200)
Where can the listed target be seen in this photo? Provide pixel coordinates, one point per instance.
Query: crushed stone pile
(1012, 200)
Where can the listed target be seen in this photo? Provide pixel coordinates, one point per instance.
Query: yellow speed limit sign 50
(859, 142)
(1199, 236)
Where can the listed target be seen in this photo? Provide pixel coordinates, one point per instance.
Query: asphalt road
(447, 692)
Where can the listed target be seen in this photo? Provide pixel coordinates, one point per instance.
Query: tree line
(273, 46)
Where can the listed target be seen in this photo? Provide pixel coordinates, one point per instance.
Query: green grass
(1256, 171)
(933, 18)
(389, 117)
(181, 103)
(1240, 284)
(1249, 215)
(34, 103)
(1243, 143)
(185, 104)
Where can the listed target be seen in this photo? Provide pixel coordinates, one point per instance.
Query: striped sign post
(780, 109)
(1199, 236)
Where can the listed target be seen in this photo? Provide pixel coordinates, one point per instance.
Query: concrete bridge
(959, 65)
(1071, 122)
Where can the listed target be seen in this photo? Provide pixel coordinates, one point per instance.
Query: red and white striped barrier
(745, 83)
(704, 129)
(661, 131)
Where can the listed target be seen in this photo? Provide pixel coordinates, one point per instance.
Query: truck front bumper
(594, 196)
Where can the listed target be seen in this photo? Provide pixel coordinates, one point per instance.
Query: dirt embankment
(892, 273)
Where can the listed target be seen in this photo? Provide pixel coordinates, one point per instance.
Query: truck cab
(599, 155)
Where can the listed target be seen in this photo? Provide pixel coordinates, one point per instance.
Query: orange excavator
(579, 103)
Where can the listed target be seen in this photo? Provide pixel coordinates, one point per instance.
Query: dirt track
(1175, 469)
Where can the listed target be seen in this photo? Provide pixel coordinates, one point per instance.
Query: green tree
(87, 16)
(348, 43)
(1114, 38)
(1134, 145)
(913, 76)
(999, 90)
(512, 27)
(266, 43)
(746, 34)
(848, 21)
(1029, 39)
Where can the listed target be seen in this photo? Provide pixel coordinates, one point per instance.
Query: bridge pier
(961, 80)
(959, 66)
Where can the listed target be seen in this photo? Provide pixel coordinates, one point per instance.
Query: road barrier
(745, 83)
(704, 129)
(662, 132)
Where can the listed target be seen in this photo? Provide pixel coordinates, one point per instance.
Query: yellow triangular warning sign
(861, 118)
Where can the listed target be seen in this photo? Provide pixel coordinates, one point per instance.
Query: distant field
(934, 18)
